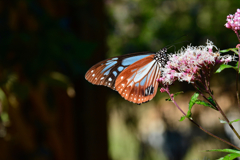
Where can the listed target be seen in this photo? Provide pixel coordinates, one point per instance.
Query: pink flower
(192, 63)
(233, 22)
(162, 90)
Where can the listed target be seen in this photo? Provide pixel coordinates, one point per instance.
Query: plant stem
(237, 77)
(223, 114)
(197, 88)
(236, 32)
(208, 89)
(172, 98)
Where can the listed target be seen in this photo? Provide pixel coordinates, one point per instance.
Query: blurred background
(49, 111)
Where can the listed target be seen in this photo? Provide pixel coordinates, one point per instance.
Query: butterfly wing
(138, 83)
(106, 72)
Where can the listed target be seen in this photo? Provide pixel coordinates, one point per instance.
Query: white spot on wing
(109, 79)
(114, 58)
(121, 77)
(92, 71)
(93, 75)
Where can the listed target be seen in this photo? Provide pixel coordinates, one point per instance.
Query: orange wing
(138, 82)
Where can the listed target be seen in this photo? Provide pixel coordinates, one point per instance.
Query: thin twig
(237, 77)
(196, 86)
(208, 89)
(172, 98)
(223, 114)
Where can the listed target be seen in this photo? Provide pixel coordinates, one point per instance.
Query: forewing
(138, 83)
(106, 72)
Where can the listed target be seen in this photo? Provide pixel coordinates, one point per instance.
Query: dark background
(48, 110)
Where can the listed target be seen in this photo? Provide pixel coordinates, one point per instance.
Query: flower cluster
(233, 21)
(192, 63)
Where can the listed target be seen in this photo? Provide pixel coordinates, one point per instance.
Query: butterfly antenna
(174, 45)
(185, 35)
(171, 47)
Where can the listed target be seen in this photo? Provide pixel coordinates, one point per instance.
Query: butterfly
(133, 75)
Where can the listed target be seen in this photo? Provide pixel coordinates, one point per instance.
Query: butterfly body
(134, 75)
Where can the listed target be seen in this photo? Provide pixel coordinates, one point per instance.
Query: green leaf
(235, 50)
(233, 153)
(169, 99)
(182, 118)
(224, 51)
(222, 67)
(230, 49)
(205, 104)
(193, 100)
(224, 150)
(230, 156)
(223, 121)
(236, 120)
(212, 102)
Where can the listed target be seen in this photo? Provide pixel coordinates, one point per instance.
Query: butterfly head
(161, 56)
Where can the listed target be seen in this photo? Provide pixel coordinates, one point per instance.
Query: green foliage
(230, 49)
(233, 153)
(182, 118)
(223, 121)
(213, 104)
(194, 100)
(224, 66)
(151, 25)
(205, 104)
